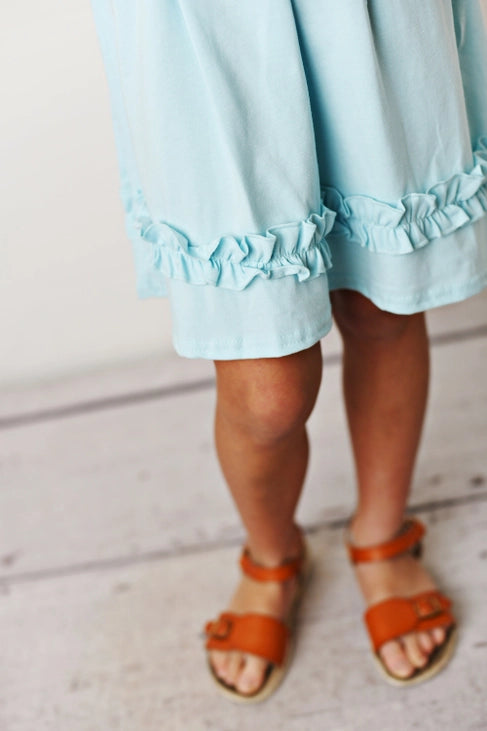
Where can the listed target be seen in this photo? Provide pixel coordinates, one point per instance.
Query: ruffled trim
(232, 262)
(419, 217)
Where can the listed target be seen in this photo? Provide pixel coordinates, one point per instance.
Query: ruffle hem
(301, 247)
(417, 218)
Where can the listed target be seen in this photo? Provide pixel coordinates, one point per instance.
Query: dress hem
(411, 305)
(233, 350)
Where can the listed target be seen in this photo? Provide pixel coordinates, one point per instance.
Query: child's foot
(399, 576)
(246, 673)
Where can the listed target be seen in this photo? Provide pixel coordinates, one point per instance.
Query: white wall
(67, 283)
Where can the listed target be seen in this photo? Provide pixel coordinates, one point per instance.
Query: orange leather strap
(409, 537)
(260, 573)
(257, 634)
(395, 617)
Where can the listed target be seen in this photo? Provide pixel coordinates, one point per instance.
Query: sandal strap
(392, 618)
(408, 538)
(257, 634)
(284, 572)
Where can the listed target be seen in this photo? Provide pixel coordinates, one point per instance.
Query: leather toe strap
(392, 618)
(256, 634)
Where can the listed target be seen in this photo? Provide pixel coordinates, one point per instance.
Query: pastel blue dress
(273, 150)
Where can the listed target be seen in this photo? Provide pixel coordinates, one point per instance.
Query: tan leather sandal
(260, 634)
(392, 618)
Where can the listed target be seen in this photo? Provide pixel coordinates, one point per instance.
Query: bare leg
(262, 445)
(385, 377)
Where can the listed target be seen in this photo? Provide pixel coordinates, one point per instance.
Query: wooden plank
(116, 485)
(166, 371)
(135, 377)
(120, 648)
(471, 313)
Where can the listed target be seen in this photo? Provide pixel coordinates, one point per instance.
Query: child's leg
(262, 445)
(385, 376)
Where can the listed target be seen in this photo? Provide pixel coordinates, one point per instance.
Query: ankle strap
(285, 571)
(408, 538)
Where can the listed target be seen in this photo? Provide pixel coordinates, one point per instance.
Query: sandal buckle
(428, 607)
(221, 629)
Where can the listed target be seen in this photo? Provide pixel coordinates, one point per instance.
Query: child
(282, 161)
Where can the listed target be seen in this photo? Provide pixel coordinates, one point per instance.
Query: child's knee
(270, 399)
(271, 416)
(358, 318)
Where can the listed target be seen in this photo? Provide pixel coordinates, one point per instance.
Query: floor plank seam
(210, 546)
(122, 400)
(103, 404)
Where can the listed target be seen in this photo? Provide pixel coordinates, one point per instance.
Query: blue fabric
(272, 150)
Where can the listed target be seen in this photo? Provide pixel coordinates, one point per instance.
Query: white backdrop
(67, 283)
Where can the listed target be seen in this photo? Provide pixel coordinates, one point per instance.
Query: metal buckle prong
(428, 607)
(221, 628)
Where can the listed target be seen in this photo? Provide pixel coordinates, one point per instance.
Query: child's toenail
(402, 668)
(439, 635)
(248, 685)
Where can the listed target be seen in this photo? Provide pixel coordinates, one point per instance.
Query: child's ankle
(288, 550)
(368, 529)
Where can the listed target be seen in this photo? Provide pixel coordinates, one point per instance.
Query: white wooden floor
(116, 529)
